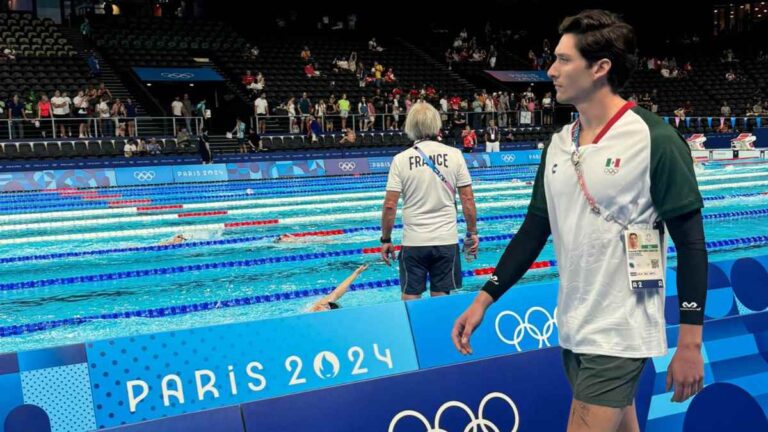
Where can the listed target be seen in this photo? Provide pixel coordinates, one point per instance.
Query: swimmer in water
(178, 238)
(331, 300)
(287, 238)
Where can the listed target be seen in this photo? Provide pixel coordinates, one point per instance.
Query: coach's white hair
(423, 121)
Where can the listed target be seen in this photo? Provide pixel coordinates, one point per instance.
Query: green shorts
(603, 380)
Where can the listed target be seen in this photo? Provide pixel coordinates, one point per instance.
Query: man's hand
(685, 373)
(475, 242)
(466, 324)
(388, 253)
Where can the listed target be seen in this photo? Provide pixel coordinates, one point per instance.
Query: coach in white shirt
(427, 176)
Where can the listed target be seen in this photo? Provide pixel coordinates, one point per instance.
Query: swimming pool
(76, 269)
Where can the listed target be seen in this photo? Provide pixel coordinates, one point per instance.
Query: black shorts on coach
(441, 263)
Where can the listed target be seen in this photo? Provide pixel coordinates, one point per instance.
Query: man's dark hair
(603, 35)
(334, 305)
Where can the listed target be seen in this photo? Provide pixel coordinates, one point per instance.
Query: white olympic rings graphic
(508, 158)
(611, 171)
(347, 165)
(524, 326)
(474, 422)
(177, 75)
(144, 175)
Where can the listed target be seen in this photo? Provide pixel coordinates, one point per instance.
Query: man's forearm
(470, 214)
(388, 221)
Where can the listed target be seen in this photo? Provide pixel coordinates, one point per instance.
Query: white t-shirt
(103, 109)
(641, 171)
(176, 107)
(429, 210)
(261, 106)
(58, 100)
(67, 105)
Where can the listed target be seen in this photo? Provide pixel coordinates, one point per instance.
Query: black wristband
(385, 240)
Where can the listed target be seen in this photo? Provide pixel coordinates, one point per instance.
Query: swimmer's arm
(520, 254)
(343, 287)
(388, 213)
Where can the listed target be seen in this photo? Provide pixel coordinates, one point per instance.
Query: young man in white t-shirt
(427, 176)
(261, 110)
(591, 198)
(60, 111)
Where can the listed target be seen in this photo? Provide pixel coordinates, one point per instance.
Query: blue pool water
(76, 270)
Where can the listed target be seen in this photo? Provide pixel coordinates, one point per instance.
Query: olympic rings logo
(611, 171)
(177, 75)
(524, 326)
(474, 421)
(508, 158)
(347, 166)
(144, 175)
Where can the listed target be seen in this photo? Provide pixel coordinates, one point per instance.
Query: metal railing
(96, 127)
(381, 122)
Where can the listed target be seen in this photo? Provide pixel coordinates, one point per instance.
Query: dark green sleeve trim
(674, 188)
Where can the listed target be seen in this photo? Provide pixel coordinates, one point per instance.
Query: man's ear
(600, 68)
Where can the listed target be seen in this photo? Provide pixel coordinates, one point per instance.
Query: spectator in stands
(331, 111)
(306, 55)
(85, 30)
(548, 108)
(118, 112)
(396, 110)
(290, 107)
(504, 109)
(310, 72)
(372, 110)
(492, 137)
(204, 147)
(8, 54)
(457, 125)
(251, 51)
(60, 112)
(374, 46)
(247, 79)
(130, 148)
(344, 106)
(469, 139)
(757, 109)
(103, 90)
(725, 110)
(187, 110)
(105, 114)
(254, 140)
(320, 113)
(313, 130)
(182, 138)
(239, 132)
(730, 76)
(362, 110)
(761, 57)
(93, 65)
(81, 112)
(261, 111)
(477, 111)
(130, 117)
(349, 137)
(153, 147)
(490, 110)
(259, 84)
(378, 71)
(305, 110)
(17, 116)
(176, 109)
(390, 78)
(361, 74)
(44, 115)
